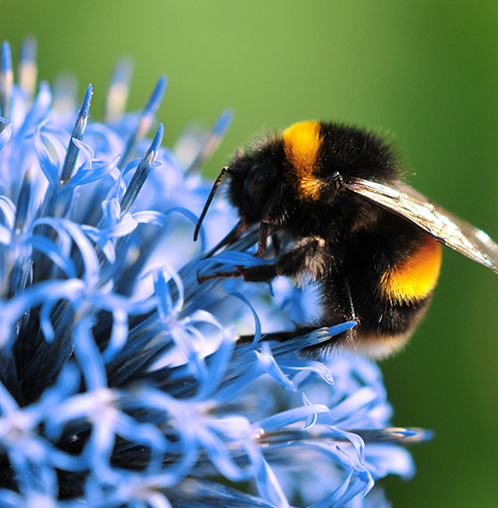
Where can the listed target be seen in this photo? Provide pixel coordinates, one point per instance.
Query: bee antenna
(209, 200)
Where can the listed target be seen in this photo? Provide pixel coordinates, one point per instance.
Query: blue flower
(121, 383)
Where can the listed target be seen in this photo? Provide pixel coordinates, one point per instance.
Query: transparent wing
(442, 225)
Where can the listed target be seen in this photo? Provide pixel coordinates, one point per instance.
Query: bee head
(255, 177)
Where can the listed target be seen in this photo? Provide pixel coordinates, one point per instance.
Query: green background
(425, 71)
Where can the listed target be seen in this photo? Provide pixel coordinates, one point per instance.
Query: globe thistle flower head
(122, 381)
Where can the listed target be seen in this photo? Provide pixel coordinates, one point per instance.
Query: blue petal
(38, 112)
(6, 132)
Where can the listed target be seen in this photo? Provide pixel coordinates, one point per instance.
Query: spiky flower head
(121, 380)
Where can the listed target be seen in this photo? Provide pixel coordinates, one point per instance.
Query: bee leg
(347, 314)
(263, 236)
(308, 257)
(261, 273)
(269, 219)
(347, 289)
(342, 313)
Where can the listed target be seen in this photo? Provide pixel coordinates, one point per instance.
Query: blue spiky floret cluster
(121, 384)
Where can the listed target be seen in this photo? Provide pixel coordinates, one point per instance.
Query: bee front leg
(260, 273)
(263, 237)
(306, 258)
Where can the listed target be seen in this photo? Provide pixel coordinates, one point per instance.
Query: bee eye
(256, 182)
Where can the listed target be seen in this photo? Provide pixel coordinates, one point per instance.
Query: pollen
(415, 277)
(302, 142)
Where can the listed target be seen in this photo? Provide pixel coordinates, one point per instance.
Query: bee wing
(442, 225)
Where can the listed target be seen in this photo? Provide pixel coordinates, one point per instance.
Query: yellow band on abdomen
(415, 277)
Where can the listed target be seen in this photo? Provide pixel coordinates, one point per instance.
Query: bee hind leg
(259, 273)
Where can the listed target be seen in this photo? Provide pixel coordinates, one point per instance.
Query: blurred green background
(425, 71)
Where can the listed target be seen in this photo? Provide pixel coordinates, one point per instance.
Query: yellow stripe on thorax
(415, 277)
(302, 141)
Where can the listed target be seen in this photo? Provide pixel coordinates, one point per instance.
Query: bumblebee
(331, 201)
